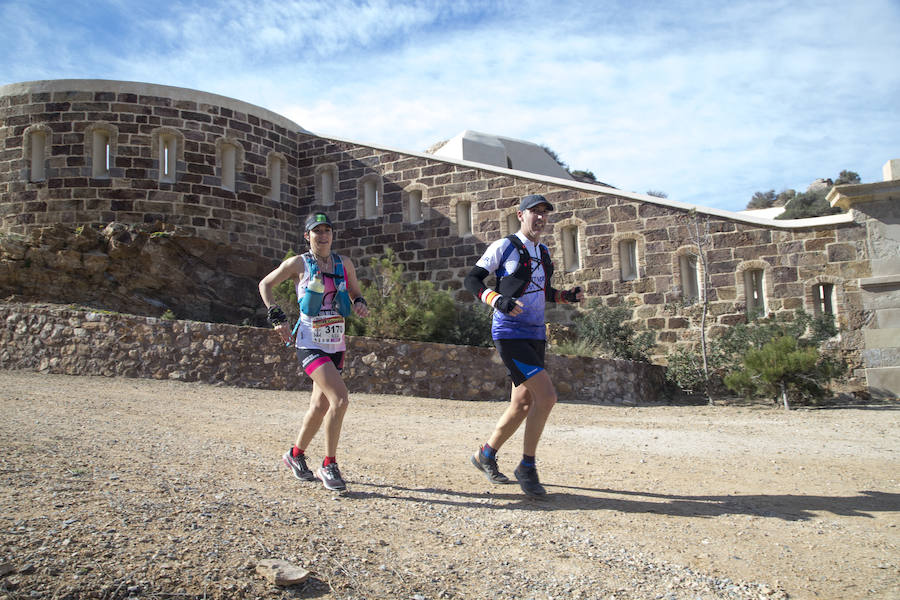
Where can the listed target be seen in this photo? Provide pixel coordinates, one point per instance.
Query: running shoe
(297, 465)
(528, 481)
(489, 467)
(331, 477)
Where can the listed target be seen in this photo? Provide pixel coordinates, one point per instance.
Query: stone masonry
(53, 339)
(793, 257)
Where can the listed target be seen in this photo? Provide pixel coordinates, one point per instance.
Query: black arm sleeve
(474, 281)
(550, 293)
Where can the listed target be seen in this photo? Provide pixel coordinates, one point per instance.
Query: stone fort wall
(240, 175)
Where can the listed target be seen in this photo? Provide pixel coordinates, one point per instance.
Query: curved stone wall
(54, 170)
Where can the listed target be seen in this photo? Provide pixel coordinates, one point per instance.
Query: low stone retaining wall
(75, 341)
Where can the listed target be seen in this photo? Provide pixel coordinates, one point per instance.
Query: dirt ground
(118, 488)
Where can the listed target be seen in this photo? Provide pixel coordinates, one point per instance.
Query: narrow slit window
(228, 166)
(100, 154)
(415, 207)
(370, 191)
(275, 179)
(571, 256)
(167, 158)
(628, 260)
(326, 183)
(753, 286)
(38, 155)
(824, 299)
(690, 281)
(464, 218)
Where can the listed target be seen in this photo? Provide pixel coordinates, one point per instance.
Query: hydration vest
(514, 284)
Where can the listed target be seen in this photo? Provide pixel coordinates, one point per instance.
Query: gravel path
(124, 488)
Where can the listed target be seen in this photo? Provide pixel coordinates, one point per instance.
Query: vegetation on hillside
(802, 205)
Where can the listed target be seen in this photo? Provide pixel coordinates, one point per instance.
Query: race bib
(328, 330)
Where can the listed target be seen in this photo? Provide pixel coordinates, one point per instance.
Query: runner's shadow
(789, 507)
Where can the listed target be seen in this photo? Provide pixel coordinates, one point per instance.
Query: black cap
(532, 200)
(318, 218)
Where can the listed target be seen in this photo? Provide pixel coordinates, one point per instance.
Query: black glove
(505, 304)
(571, 295)
(276, 316)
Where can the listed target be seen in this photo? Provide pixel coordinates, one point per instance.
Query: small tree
(404, 309)
(749, 359)
(808, 204)
(847, 177)
(783, 366)
(762, 200)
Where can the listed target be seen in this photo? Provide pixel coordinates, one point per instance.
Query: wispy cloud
(707, 101)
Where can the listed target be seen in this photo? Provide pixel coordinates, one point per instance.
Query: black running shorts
(523, 358)
(312, 359)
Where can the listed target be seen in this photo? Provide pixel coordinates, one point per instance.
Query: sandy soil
(117, 488)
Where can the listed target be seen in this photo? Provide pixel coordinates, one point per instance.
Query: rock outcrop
(143, 270)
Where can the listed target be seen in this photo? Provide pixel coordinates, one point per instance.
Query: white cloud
(706, 101)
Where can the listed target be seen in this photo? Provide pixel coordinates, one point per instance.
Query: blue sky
(706, 101)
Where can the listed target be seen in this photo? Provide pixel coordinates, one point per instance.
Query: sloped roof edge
(570, 183)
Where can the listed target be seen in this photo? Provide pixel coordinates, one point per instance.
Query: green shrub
(168, 315)
(685, 370)
(765, 358)
(606, 331)
(406, 309)
(473, 325)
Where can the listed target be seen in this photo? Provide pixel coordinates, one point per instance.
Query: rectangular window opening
(824, 303)
(690, 283)
(228, 167)
(415, 207)
(100, 155)
(628, 260)
(38, 142)
(275, 178)
(327, 183)
(753, 286)
(370, 198)
(464, 218)
(167, 158)
(570, 249)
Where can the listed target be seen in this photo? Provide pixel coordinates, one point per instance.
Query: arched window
(413, 205)
(326, 184)
(371, 201)
(229, 158)
(168, 147)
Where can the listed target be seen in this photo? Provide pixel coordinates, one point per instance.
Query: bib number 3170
(328, 329)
